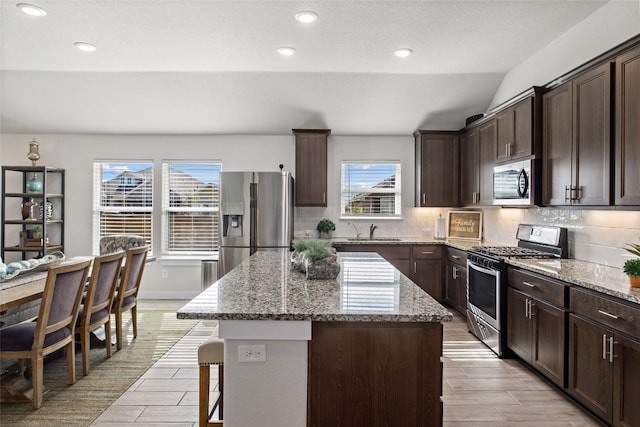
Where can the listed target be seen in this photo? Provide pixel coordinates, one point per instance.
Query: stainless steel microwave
(517, 183)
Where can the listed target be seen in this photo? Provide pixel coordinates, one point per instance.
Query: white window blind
(123, 200)
(190, 207)
(371, 189)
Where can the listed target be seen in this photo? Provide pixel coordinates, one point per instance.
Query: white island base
(269, 393)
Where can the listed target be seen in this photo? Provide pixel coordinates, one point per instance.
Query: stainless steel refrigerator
(256, 213)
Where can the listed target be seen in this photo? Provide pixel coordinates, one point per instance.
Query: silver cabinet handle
(567, 195)
(427, 252)
(526, 308)
(324, 197)
(454, 271)
(455, 257)
(611, 343)
(528, 284)
(424, 199)
(415, 267)
(613, 316)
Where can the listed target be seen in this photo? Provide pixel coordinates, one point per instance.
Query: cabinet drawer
(457, 256)
(385, 251)
(539, 287)
(427, 252)
(618, 315)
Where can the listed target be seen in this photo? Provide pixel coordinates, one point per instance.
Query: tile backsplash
(594, 235)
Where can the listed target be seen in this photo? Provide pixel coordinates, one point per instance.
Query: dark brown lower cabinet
(536, 333)
(375, 374)
(604, 372)
(455, 287)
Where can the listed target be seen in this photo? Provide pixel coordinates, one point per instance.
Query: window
(190, 206)
(122, 200)
(371, 189)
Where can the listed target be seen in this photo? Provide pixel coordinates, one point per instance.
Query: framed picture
(464, 225)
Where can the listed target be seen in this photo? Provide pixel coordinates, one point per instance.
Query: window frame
(99, 209)
(397, 190)
(167, 209)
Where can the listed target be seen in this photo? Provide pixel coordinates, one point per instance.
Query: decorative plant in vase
(316, 258)
(325, 227)
(632, 266)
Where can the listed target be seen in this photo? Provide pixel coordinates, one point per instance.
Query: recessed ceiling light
(286, 51)
(31, 9)
(403, 52)
(85, 47)
(306, 16)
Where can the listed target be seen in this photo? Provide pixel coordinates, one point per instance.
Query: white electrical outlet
(252, 353)
(165, 273)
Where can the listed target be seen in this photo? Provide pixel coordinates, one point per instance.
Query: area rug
(79, 404)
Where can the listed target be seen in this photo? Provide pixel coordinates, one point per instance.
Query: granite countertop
(600, 278)
(265, 287)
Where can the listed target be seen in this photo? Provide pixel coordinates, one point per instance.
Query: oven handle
(482, 269)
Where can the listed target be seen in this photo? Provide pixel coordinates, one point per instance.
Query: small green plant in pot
(325, 227)
(632, 266)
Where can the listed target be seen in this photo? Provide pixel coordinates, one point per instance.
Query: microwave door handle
(481, 269)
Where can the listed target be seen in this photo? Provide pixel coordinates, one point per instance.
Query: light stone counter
(265, 287)
(600, 278)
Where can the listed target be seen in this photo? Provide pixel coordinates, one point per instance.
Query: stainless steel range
(487, 279)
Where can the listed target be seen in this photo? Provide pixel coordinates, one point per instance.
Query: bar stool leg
(203, 411)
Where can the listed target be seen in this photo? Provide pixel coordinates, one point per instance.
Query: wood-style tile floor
(478, 389)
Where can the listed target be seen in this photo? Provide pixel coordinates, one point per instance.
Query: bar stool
(210, 352)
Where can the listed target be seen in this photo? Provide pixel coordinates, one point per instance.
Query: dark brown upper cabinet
(437, 166)
(311, 166)
(577, 140)
(477, 157)
(518, 129)
(627, 128)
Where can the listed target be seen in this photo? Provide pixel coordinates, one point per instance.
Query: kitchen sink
(375, 239)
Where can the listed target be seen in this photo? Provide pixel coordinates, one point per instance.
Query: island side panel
(375, 374)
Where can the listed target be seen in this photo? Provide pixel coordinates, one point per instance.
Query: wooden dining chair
(127, 296)
(54, 328)
(96, 308)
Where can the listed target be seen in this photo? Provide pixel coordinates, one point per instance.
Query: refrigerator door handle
(253, 217)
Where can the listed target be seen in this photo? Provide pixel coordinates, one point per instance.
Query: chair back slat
(102, 286)
(134, 267)
(60, 299)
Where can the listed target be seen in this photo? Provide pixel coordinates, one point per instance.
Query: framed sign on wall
(464, 225)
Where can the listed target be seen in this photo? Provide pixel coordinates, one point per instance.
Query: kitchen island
(363, 349)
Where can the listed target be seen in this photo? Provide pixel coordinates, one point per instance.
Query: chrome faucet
(372, 228)
(355, 228)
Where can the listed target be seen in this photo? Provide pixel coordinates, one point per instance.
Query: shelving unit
(14, 191)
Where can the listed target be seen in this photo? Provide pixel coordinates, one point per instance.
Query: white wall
(76, 153)
(612, 24)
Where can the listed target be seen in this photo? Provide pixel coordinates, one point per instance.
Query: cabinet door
(487, 160)
(428, 275)
(311, 167)
(549, 352)
(437, 164)
(556, 145)
(469, 167)
(523, 129)
(627, 128)
(590, 372)
(455, 286)
(519, 329)
(515, 131)
(626, 382)
(592, 137)
(505, 134)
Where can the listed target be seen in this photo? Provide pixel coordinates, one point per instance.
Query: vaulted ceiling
(211, 67)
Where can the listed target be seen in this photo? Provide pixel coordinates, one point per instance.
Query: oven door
(483, 293)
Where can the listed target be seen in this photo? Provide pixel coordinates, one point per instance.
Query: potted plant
(632, 266)
(36, 233)
(325, 227)
(316, 258)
